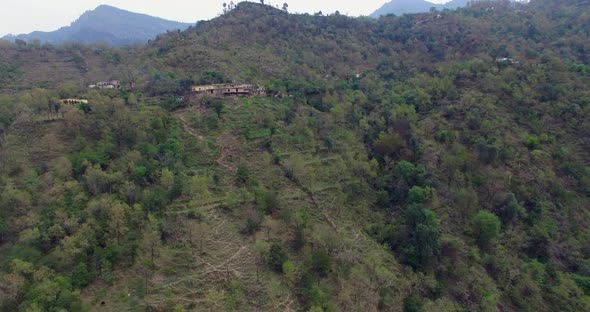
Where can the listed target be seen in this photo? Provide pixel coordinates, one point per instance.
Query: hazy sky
(24, 16)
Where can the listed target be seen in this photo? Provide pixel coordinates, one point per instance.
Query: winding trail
(224, 148)
(188, 129)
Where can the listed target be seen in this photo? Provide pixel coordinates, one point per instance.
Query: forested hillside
(429, 162)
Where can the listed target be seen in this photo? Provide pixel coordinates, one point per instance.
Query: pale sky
(25, 16)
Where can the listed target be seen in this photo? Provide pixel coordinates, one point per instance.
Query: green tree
(413, 303)
(512, 209)
(167, 179)
(80, 276)
(422, 246)
(243, 174)
(419, 195)
(321, 262)
(486, 228)
(277, 256)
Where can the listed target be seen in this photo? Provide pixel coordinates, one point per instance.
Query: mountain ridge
(124, 27)
(400, 7)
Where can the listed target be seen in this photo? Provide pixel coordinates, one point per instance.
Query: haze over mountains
(400, 7)
(106, 24)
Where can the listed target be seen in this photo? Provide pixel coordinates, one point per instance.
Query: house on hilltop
(73, 101)
(228, 89)
(111, 84)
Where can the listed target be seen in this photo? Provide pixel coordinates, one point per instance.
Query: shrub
(321, 263)
(487, 152)
(277, 256)
(444, 136)
(243, 174)
(583, 282)
(80, 276)
(419, 195)
(412, 303)
(511, 209)
(423, 243)
(312, 295)
(212, 121)
(232, 201)
(486, 228)
(532, 142)
(289, 271)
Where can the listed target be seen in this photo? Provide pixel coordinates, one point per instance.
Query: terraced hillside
(415, 163)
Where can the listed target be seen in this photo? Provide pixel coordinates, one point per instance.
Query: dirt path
(227, 144)
(228, 150)
(188, 128)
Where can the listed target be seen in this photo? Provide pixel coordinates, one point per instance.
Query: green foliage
(413, 303)
(419, 195)
(466, 201)
(211, 77)
(178, 308)
(232, 201)
(52, 295)
(487, 152)
(579, 68)
(214, 103)
(313, 295)
(583, 282)
(288, 270)
(81, 276)
(388, 145)
(277, 256)
(321, 263)
(532, 142)
(8, 73)
(266, 202)
(243, 174)
(486, 228)
(512, 209)
(406, 170)
(257, 134)
(212, 121)
(445, 136)
(154, 199)
(422, 245)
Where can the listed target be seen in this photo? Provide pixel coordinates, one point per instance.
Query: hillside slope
(107, 25)
(414, 163)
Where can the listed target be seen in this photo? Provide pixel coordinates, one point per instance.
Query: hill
(106, 24)
(428, 162)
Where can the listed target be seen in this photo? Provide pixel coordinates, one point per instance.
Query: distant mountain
(106, 24)
(400, 7)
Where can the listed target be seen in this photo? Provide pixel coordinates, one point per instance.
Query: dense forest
(428, 162)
